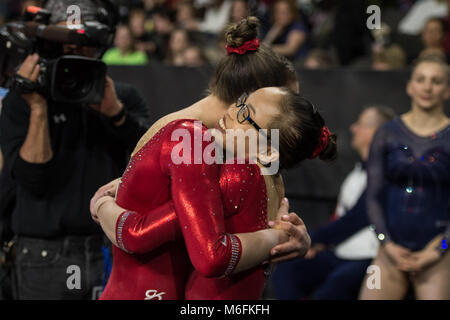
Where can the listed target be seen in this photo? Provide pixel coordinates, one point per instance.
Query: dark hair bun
(238, 33)
(330, 152)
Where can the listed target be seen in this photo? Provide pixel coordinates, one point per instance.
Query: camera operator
(59, 155)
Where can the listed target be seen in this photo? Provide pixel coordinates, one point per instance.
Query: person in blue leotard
(341, 250)
(408, 192)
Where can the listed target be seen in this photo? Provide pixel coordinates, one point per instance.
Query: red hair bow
(323, 142)
(251, 45)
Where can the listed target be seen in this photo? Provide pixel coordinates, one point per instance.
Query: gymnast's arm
(136, 233)
(376, 183)
(198, 204)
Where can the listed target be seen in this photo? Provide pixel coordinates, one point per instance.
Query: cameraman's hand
(110, 105)
(30, 70)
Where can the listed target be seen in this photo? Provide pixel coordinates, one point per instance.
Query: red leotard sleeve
(245, 204)
(197, 200)
(142, 233)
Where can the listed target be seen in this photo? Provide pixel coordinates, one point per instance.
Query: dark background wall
(339, 94)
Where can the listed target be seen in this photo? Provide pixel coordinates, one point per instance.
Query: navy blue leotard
(409, 185)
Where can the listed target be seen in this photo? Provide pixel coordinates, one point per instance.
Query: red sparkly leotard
(151, 179)
(245, 206)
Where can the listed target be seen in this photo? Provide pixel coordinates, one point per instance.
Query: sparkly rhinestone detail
(232, 178)
(120, 225)
(234, 254)
(147, 148)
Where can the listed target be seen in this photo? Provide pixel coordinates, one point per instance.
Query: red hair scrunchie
(323, 142)
(251, 45)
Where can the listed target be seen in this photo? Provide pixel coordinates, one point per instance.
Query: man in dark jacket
(58, 155)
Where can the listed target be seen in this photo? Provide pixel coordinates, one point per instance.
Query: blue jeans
(324, 277)
(62, 269)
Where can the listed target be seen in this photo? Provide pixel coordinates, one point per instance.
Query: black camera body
(68, 79)
(62, 78)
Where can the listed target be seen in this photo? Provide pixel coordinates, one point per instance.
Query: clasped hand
(411, 262)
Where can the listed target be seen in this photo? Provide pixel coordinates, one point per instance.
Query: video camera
(63, 78)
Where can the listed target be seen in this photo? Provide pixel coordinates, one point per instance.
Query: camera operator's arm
(36, 147)
(25, 133)
(126, 109)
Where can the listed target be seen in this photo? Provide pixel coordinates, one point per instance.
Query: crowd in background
(314, 34)
(311, 33)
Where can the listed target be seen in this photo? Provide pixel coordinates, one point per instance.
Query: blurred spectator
(341, 251)
(447, 30)
(319, 59)
(213, 53)
(179, 41)
(239, 11)
(216, 52)
(152, 5)
(161, 33)
(216, 17)
(351, 37)
(381, 37)
(322, 22)
(136, 23)
(416, 18)
(125, 52)
(142, 38)
(163, 23)
(433, 38)
(186, 16)
(194, 57)
(288, 35)
(390, 58)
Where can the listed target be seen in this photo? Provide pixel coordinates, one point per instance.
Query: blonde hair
(393, 56)
(432, 58)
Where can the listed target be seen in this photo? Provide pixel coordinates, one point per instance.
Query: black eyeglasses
(244, 113)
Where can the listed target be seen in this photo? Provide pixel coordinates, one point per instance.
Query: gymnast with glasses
(168, 220)
(242, 192)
